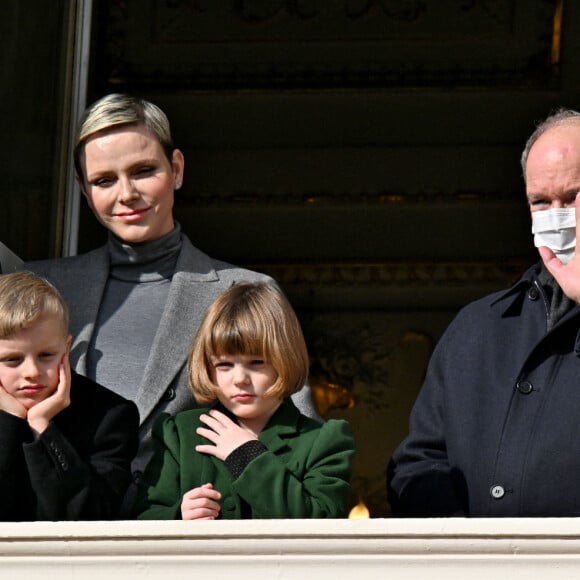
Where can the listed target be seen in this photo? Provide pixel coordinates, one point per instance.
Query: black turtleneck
(131, 309)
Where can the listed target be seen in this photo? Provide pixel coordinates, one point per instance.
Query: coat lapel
(84, 299)
(194, 286)
(282, 425)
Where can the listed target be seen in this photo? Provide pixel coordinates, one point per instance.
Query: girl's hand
(42, 413)
(201, 503)
(223, 433)
(11, 404)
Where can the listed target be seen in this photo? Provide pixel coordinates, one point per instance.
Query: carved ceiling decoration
(243, 198)
(408, 274)
(317, 43)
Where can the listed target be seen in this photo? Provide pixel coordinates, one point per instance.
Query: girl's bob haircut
(250, 319)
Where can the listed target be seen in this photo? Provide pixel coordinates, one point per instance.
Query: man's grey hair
(562, 116)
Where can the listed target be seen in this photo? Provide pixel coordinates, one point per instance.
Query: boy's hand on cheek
(41, 414)
(223, 433)
(11, 405)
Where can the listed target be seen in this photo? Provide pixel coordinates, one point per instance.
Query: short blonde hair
(26, 298)
(118, 110)
(250, 319)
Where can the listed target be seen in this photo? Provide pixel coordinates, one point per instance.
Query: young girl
(251, 454)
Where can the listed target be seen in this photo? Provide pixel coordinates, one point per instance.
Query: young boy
(66, 443)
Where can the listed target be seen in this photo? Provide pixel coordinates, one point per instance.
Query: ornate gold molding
(208, 199)
(308, 43)
(399, 274)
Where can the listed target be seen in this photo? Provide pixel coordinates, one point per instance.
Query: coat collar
(91, 272)
(512, 299)
(194, 286)
(283, 424)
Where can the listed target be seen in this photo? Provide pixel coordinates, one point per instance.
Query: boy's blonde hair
(26, 298)
(250, 319)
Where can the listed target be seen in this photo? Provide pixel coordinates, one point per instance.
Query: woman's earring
(178, 185)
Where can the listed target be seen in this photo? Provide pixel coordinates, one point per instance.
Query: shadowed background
(365, 153)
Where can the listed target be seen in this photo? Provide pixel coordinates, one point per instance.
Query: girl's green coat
(304, 474)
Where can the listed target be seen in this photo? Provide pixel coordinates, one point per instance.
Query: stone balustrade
(389, 549)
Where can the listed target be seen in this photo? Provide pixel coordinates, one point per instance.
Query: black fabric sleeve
(240, 457)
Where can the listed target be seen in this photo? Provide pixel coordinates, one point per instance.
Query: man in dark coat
(495, 430)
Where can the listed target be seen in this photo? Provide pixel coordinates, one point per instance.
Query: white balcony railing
(389, 549)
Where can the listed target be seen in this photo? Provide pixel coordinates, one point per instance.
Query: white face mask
(556, 229)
